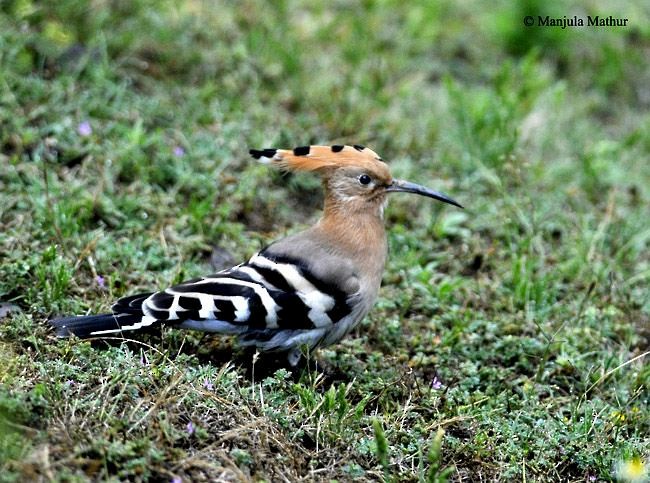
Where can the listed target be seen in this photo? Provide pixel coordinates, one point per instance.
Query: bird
(301, 292)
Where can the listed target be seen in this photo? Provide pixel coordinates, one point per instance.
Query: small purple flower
(592, 478)
(208, 385)
(176, 479)
(179, 151)
(100, 281)
(190, 428)
(69, 383)
(84, 129)
(436, 383)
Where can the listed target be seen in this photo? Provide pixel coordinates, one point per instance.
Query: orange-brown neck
(356, 227)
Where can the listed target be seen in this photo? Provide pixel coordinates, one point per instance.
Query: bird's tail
(95, 325)
(127, 315)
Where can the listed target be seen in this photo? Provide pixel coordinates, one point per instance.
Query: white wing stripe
(267, 301)
(146, 321)
(252, 273)
(318, 302)
(289, 272)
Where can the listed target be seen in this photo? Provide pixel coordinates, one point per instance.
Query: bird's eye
(364, 179)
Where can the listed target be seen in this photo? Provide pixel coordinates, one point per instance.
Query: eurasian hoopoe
(308, 289)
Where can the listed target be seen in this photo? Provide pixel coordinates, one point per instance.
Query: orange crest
(317, 158)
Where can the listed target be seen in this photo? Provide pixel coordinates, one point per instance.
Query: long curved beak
(408, 187)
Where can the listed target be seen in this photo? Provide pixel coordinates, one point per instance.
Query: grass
(510, 340)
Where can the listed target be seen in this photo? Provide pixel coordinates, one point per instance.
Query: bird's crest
(316, 158)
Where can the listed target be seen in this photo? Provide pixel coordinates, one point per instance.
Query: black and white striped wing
(265, 293)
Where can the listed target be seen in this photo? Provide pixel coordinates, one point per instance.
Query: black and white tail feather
(272, 302)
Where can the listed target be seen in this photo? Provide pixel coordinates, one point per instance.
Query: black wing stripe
(161, 300)
(206, 288)
(225, 310)
(258, 313)
(273, 277)
(341, 307)
(321, 285)
(190, 303)
(158, 314)
(340, 310)
(228, 302)
(293, 313)
(188, 315)
(209, 287)
(248, 272)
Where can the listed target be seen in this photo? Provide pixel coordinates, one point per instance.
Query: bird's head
(356, 179)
